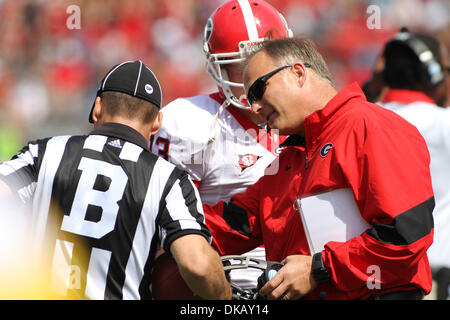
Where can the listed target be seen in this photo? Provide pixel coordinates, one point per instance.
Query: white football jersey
(433, 123)
(223, 155)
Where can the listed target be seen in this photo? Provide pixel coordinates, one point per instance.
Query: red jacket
(384, 161)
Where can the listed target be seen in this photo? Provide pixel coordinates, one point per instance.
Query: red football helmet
(231, 31)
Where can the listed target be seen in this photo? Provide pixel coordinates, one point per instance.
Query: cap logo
(148, 88)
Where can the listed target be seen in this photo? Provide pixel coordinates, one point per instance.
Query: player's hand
(291, 282)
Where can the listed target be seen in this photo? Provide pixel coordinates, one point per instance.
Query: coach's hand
(291, 282)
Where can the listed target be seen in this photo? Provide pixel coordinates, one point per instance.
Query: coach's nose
(257, 107)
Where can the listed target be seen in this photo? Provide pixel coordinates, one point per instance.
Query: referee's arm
(188, 239)
(200, 267)
(5, 190)
(19, 175)
(5, 193)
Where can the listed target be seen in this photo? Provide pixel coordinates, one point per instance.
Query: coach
(104, 203)
(337, 140)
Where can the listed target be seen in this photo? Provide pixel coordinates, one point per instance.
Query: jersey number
(76, 222)
(164, 150)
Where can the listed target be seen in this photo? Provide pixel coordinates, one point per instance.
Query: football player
(216, 138)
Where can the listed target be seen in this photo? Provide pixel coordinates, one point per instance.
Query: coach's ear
(157, 123)
(97, 112)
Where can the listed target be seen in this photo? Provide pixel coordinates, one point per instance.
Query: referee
(104, 204)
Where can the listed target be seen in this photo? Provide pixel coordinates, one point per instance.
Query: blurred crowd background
(49, 73)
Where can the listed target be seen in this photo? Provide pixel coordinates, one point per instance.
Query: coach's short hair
(118, 103)
(288, 51)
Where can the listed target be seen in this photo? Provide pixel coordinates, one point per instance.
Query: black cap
(133, 78)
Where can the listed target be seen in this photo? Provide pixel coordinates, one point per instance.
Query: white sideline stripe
(249, 19)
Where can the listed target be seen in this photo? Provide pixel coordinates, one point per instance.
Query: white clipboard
(330, 216)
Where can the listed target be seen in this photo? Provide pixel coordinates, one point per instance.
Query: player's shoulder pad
(189, 119)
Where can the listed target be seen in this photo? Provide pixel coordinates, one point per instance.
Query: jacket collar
(405, 96)
(121, 131)
(316, 122)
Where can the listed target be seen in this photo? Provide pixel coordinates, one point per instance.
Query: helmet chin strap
(229, 95)
(238, 104)
(243, 102)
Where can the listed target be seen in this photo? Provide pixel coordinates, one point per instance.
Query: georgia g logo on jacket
(325, 149)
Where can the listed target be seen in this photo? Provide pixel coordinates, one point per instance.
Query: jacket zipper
(306, 152)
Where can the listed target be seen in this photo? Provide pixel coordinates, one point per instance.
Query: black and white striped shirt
(104, 204)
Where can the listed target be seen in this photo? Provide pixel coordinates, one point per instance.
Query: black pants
(442, 278)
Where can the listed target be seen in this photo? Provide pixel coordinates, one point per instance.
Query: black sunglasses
(257, 89)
